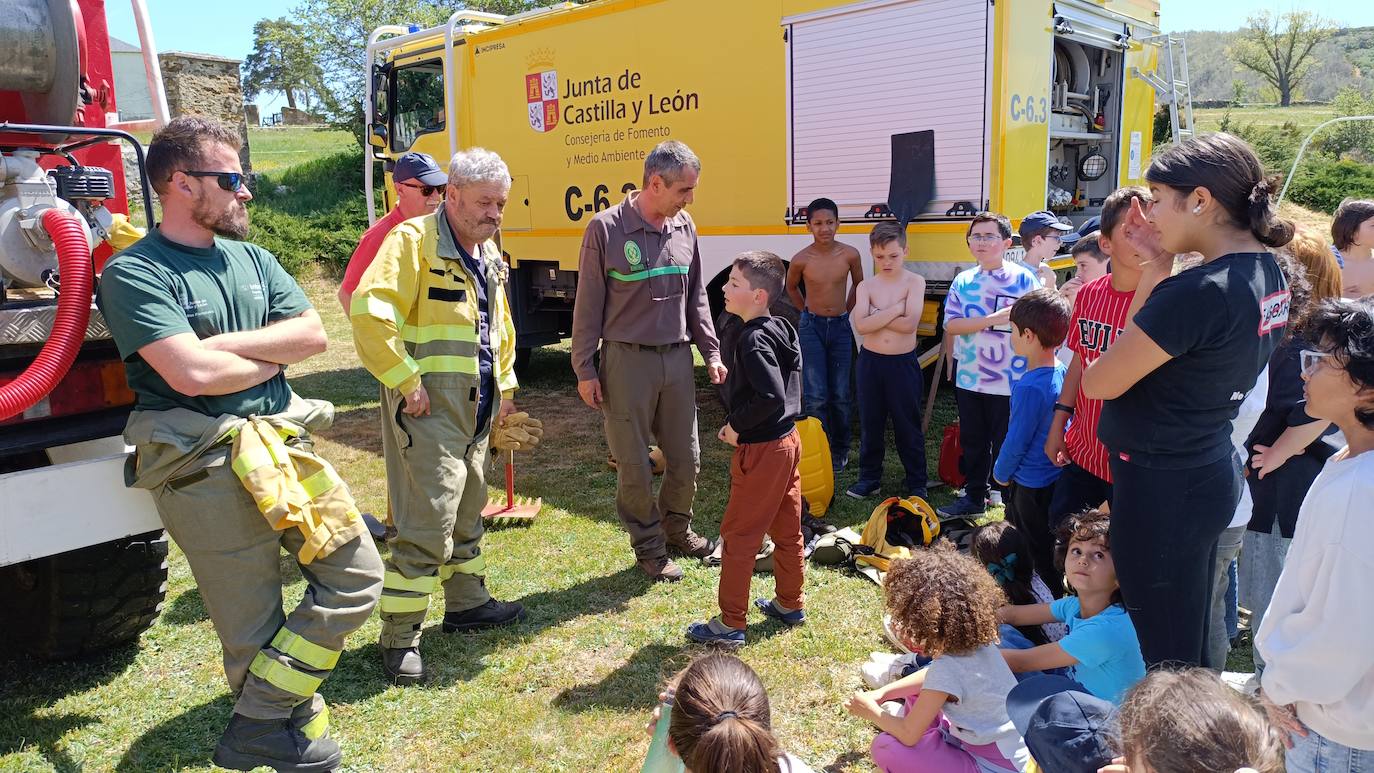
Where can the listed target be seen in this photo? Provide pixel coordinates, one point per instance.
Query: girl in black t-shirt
(1173, 381)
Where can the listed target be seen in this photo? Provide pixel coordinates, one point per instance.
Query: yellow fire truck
(922, 110)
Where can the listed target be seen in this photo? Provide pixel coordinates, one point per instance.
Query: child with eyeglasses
(978, 326)
(1318, 681)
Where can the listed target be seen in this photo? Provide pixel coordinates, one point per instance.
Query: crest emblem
(633, 255)
(541, 97)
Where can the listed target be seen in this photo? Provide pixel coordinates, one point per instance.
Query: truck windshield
(417, 98)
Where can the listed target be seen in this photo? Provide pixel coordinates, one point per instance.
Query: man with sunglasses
(207, 324)
(419, 191)
(641, 300)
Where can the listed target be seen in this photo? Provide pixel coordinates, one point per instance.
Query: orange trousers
(765, 498)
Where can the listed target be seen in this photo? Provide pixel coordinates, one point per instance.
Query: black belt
(660, 348)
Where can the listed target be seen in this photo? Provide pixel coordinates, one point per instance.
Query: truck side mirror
(376, 136)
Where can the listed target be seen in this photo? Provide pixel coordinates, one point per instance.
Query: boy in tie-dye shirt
(978, 325)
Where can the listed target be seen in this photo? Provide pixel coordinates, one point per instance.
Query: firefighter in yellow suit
(431, 321)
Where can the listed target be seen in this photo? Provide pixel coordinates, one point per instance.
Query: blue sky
(180, 25)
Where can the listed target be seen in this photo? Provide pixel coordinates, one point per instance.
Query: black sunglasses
(229, 181)
(425, 190)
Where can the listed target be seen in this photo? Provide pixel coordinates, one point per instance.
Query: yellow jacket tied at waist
(272, 456)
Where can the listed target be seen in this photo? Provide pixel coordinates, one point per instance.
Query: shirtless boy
(887, 310)
(827, 343)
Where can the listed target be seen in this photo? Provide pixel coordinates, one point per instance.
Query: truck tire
(77, 603)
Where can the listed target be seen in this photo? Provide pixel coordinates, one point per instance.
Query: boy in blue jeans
(1039, 322)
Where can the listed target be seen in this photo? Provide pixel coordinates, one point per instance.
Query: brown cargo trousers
(765, 498)
(273, 661)
(651, 390)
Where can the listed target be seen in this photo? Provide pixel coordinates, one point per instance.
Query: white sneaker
(884, 668)
(994, 498)
(1241, 682)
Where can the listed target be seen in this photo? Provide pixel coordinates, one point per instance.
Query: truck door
(859, 75)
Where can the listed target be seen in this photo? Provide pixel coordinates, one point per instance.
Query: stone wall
(293, 117)
(200, 84)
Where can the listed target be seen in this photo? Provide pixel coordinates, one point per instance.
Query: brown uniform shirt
(639, 285)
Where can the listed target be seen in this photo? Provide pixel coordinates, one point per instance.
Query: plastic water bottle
(660, 759)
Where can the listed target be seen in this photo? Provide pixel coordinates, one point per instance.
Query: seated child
(1039, 322)
(944, 605)
(1101, 650)
(1003, 550)
(763, 400)
(1190, 721)
(720, 720)
(887, 311)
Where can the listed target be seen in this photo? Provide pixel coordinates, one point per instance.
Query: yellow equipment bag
(817, 475)
(895, 527)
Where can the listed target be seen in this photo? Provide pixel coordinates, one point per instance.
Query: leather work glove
(517, 432)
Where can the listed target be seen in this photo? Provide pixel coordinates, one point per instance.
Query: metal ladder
(1171, 82)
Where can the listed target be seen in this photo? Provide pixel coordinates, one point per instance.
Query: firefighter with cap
(207, 324)
(642, 302)
(419, 186)
(431, 322)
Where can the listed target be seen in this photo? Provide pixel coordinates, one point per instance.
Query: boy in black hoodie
(763, 398)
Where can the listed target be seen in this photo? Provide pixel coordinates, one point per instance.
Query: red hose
(68, 328)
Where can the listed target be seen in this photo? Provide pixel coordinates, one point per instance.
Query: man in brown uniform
(641, 299)
(831, 272)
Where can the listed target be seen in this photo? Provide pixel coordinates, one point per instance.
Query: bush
(1321, 183)
(312, 212)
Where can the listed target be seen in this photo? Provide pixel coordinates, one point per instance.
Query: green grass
(1305, 117)
(568, 690)
(275, 149)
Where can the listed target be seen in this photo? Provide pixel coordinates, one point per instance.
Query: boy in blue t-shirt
(978, 328)
(1039, 322)
(1101, 650)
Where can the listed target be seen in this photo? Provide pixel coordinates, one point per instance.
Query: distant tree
(1279, 48)
(338, 32)
(281, 61)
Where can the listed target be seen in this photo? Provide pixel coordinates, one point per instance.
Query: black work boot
(489, 615)
(275, 743)
(403, 665)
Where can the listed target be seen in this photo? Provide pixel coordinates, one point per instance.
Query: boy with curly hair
(944, 605)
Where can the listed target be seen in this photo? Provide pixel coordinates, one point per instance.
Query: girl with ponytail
(1193, 347)
(720, 720)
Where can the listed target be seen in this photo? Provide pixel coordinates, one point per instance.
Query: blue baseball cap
(418, 166)
(1067, 730)
(1037, 221)
(1090, 225)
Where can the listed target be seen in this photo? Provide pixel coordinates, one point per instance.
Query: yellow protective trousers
(437, 487)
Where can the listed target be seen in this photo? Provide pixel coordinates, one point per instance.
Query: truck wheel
(86, 600)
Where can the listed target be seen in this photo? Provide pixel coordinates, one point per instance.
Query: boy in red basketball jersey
(1099, 316)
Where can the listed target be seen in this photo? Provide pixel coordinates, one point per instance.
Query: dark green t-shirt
(157, 288)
